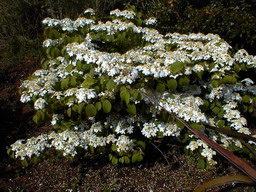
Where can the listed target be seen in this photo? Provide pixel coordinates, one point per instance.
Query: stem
(161, 153)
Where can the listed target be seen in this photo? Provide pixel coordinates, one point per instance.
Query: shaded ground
(92, 172)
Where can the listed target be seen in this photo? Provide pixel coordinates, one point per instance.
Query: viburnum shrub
(93, 83)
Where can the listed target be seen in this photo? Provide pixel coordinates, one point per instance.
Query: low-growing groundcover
(95, 75)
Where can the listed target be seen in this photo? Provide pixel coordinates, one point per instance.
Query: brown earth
(175, 172)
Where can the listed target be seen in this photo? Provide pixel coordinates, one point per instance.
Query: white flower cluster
(67, 24)
(89, 11)
(40, 104)
(234, 118)
(185, 107)
(33, 146)
(125, 13)
(150, 129)
(56, 118)
(243, 57)
(50, 42)
(205, 152)
(232, 92)
(151, 21)
(67, 142)
(229, 141)
(84, 95)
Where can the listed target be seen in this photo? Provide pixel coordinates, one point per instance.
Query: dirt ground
(92, 172)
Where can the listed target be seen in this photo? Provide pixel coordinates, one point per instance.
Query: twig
(160, 152)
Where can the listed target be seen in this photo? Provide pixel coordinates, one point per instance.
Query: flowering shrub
(93, 81)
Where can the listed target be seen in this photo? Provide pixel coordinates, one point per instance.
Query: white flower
(83, 94)
(25, 97)
(244, 130)
(208, 153)
(151, 21)
(56, 118)
(247, 81)
(149, 129)
(90, 11)
(198, 68)
(124, 144)
(40, 104)
(193, 145)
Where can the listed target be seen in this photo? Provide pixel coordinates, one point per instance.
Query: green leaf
(160, 87)
(131, 108)
(250, 109)
(91, 148)
(121, 160)
(55, 52)
(125, 96)
(80, 108)
(196, 126)
(48, 51)
(24, 163)
(10, 153)
(54, 34)
(180, 125)
(142, 144)
(79, 65)
(110, 85)
(106, 106)
(114, 160)
(73, 81)
(245, 108)
(227, 127)
(110, 156)
(200, 74)
(205, 106)
(36, 159)
(215, 83)
(127, 160)
(221, 123)
(172, 84)
(70, 68)
(211, 66)
(114, 147)
(90, 110)
(221, 114)
(243, 67)
(97, 89)
(69, 112)
(137, 157)
(75, 108)
(229, 79)
(201, 164)
(246, 99)
(36, 118)
(183, 81)
(134, 94)
(88, 82)
(176, 67)
(64, 83)
(104, 79)
(237, 68)
(216, 110)
(98, 106)
(39, 116)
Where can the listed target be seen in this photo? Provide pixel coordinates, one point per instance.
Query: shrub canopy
(92, 88)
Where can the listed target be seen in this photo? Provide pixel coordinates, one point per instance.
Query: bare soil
(91, 172)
